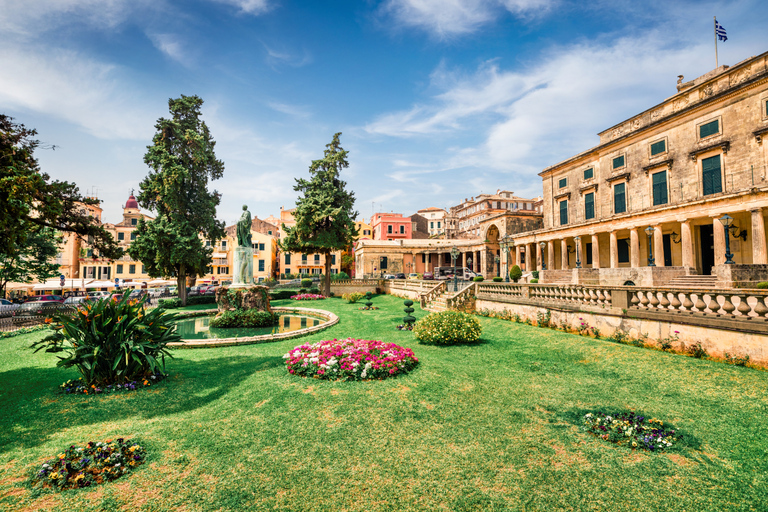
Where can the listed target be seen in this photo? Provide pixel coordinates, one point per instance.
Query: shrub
(245, 318)
(535, 274)
(306, 283)
(340, 275)
(697, 351)
(351, 298)
(281, 294)
(191, 301)
(738, 361)
(314, 290)
(498, 279)
(762, 285)
(447, 328)
(534, 281)
(111, 342)
(619, 336)
(477, 279)
(515, 273)
(350, 359)
(84, 466)
(632, 430)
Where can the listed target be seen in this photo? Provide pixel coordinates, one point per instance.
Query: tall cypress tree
(182, 161)
(324, 215)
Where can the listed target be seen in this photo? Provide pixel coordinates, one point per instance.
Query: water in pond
(199, 328)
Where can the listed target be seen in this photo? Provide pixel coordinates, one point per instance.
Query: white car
(75, 300)
(98, 295)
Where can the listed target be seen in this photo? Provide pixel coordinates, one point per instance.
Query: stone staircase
(439, 303)
(694, 282)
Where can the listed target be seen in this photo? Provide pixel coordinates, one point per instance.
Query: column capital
(756, 209)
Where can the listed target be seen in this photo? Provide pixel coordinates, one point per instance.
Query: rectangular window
(223, 244)
(563, 212)
(588, 253)
(619, 198)
(710, 128)
(143, 270)
(333, 259)
(131, 269)
(119, 269)
(562, 183)
(589, 206)
(317, 258)
(287, 259)
(710, 175)
(618, 162)
(222, 270)
(287, 270)
(622, 246)
(207, 243)
(389, 228)
(134, 222)
(383, 263)
(261, 265)
(303, 258)
(431, 225)
(589, 174)
(438, 224)
(660, 188)
(402, 230)
(121, 236)
(423, 258)
(658, 148)
(133, 235)
(261, 247)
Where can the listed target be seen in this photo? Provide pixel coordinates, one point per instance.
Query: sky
(436, 100)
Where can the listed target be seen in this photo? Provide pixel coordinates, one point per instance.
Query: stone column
(759, 250)
(464, 259)
(614, 249)
(539, 257)
(529, 257)
(483, 263)
(564, 254)
(634, 248)
(719, 235)
(687, 243)
(551, 255)
(595, 252)
(516, 257)
(658, 246)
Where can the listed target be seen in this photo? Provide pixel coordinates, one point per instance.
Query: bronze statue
(244, 229)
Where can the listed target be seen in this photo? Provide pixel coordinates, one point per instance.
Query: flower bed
(94, 463)
(632, 430)
(79, 387)
(307, 296)
(350, 359)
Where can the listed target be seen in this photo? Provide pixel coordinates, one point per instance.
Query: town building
(435, 218)
(645, 206)
(364, 230)
(471, 218)
(419, 227)
(391, 226)
(296, 263)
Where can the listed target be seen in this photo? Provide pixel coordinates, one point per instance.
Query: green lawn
(484, 427)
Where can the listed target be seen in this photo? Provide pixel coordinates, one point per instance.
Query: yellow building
(297, 263)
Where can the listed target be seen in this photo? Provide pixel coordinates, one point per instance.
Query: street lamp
(498, 266)
(727, 220)
(543, 261)
(577, 240)
(455, 254)
(381, 265)
(505, 242)
(651, 260)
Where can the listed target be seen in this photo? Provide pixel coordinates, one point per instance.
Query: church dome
(132, 203)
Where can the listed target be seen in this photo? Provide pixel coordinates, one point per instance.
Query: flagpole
(717, 64)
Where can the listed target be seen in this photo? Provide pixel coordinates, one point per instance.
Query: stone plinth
(741, 276)
(243, 267)
(251, 297)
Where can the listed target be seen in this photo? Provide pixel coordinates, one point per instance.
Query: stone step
(693, 282)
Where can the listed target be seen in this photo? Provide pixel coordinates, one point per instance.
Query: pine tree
(324, 216)
(182, 161)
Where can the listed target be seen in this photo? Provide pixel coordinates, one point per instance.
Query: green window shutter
(563, 212)
(383, 262)
(562, 183)
(589, 173)
(708, 129)
(710, 175)
(619, 198)
(333, 259)
(261, 265)
(618, 162)
(288, 259)
(589, 206)
(658, 147)
(660, 188)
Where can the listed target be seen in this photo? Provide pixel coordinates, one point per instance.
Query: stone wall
(740, 276)
(342, 286)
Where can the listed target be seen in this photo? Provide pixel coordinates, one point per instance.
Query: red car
(428, 276)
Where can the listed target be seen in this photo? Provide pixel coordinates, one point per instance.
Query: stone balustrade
(431, 294)
(725, 303)
(462, 297)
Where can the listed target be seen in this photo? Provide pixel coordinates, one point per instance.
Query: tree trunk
(181, 283)
(327, 279)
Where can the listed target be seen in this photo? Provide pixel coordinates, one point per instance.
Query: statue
(244, 228)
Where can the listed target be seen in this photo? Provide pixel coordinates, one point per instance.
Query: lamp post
(543, 261)
(504, 243)
(651, 260)
(454, 255)
(469, 262)
(726, 221)
(498, 266)
(577, 241)
(381, 265)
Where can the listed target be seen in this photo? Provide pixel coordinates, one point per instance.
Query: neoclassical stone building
(677, 168)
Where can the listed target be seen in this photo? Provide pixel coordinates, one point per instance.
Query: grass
(485, 427)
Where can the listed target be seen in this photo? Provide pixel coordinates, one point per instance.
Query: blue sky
(437, 100)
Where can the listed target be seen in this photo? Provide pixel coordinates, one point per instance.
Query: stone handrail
(355, 282)
(461, 297)
(409, 284)
(430, 295)
(502, 291)
(729, 303)
(586, 295)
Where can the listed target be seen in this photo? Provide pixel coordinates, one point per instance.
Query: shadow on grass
(33, 409)
(475, 343)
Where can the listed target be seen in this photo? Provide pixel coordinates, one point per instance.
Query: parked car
(388, 276)
(45, 298)
(4, 302)
(428, 276)
(400, 276)
(211, 290)
(98, 295)
(413, 275)
(74, 300)
(7, 307)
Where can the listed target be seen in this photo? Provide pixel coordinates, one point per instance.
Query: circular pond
(199, 328)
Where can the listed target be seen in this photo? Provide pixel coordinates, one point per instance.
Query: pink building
(390, 226)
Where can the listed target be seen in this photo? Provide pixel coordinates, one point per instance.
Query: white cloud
(291, 110)
(31, 17)
(170, 45)
(444, 18)
(254, 7)
(277, 57)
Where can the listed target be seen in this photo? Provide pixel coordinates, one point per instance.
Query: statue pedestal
(243, 271)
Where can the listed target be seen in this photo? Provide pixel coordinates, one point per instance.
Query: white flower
(286, 356)
(364, 374)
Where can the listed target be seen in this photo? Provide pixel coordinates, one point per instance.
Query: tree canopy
(33, 207)
(181, 160)
(324, 215)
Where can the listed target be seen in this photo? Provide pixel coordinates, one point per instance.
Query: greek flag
(720, 31)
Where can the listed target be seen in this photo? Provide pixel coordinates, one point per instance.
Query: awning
(160, 282)
(18, 286)
(55, 284)
(101, 284)
(219, 255)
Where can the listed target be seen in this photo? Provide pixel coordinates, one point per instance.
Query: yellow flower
(61, 455)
